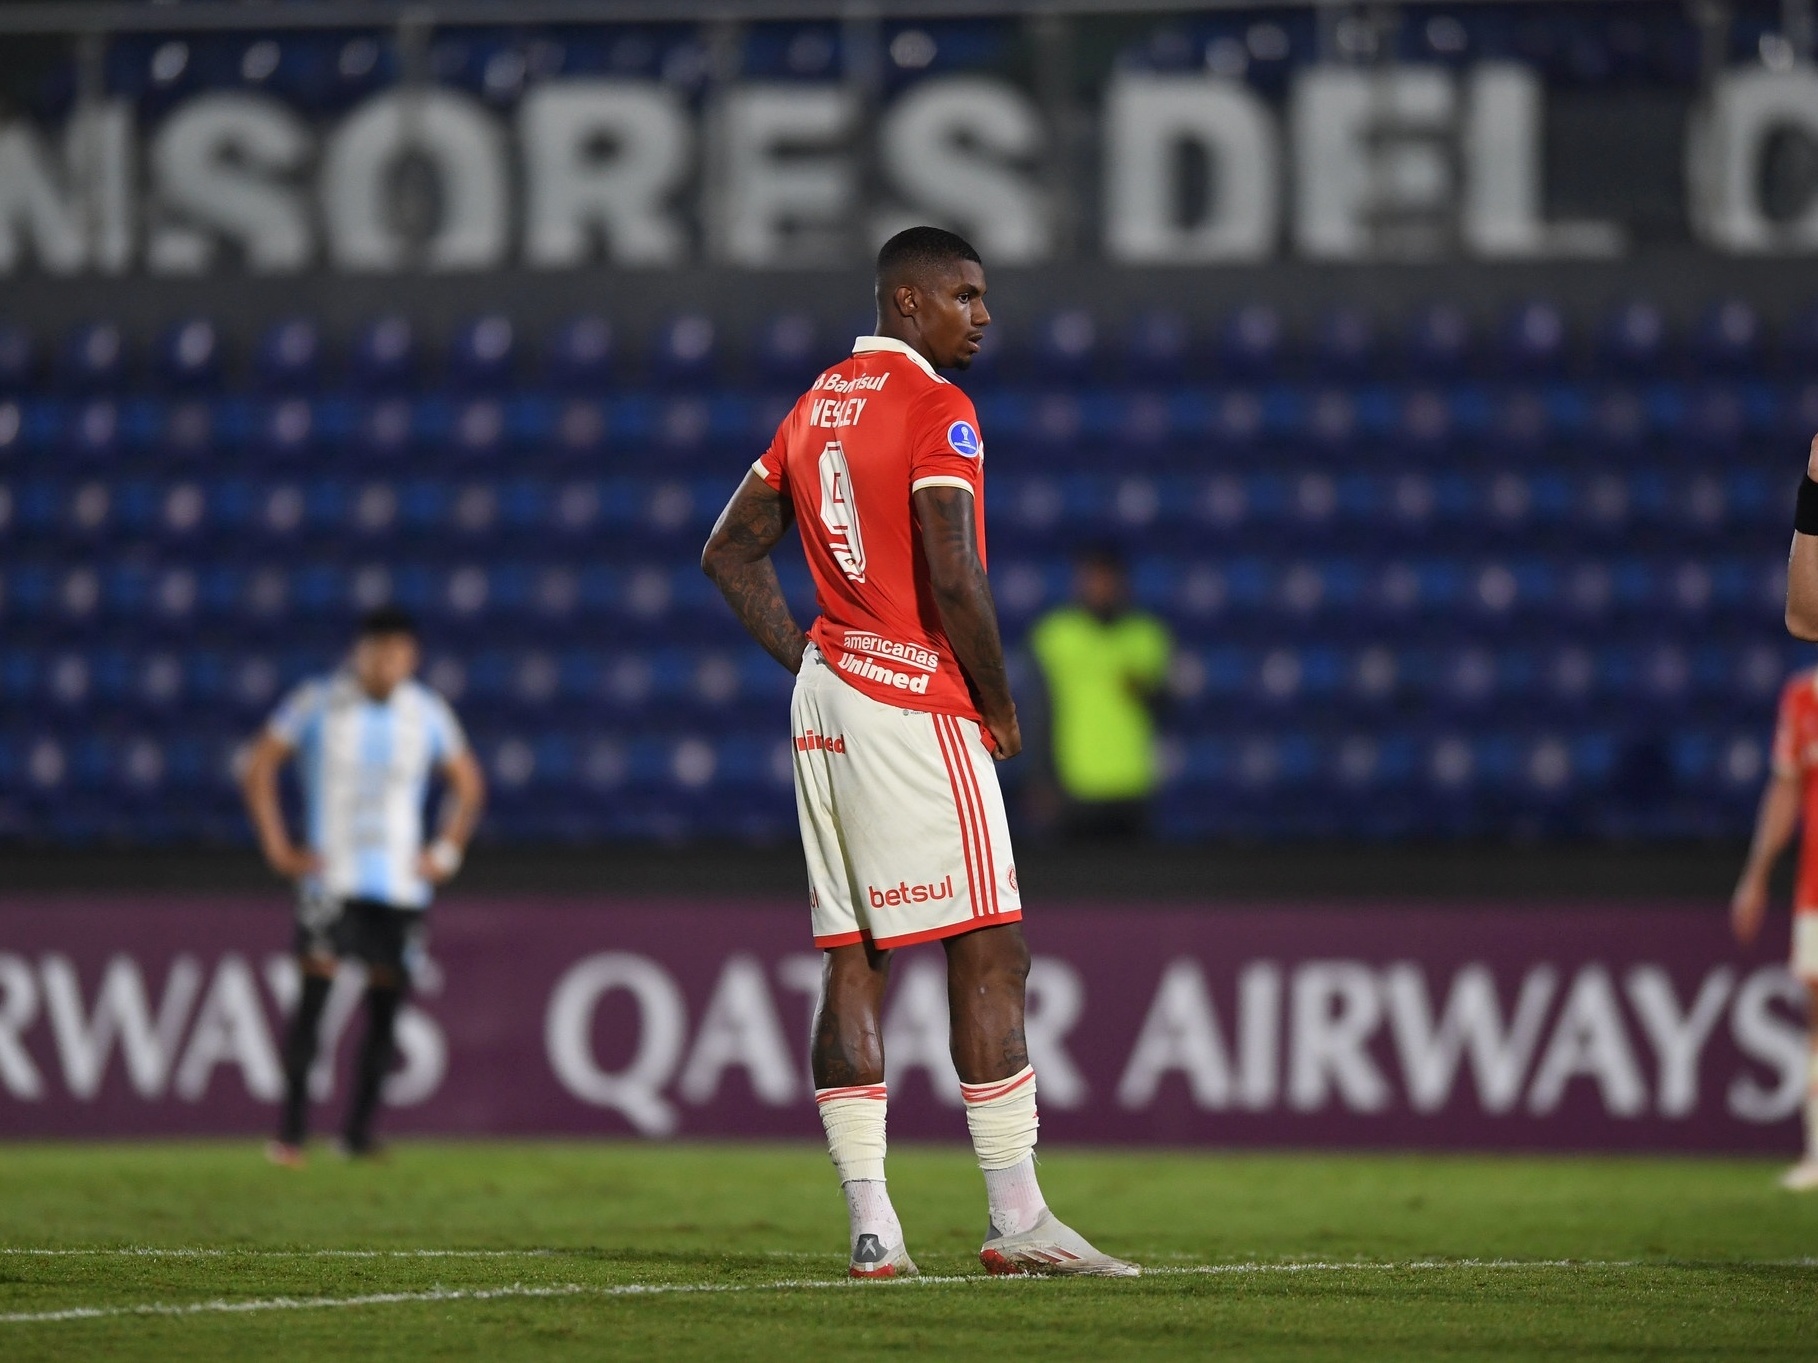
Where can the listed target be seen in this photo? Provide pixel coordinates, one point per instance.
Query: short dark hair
(916, 250)
(387, 620)
(1106, 554)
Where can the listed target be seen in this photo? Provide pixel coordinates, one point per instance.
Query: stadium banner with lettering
(1406, 161)
(1437, 1028)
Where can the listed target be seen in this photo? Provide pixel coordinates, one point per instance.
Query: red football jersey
(851, 454)
(1796, 754)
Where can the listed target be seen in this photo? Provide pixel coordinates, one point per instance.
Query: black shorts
(381, 936)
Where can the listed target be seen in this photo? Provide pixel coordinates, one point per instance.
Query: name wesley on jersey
(836, 412)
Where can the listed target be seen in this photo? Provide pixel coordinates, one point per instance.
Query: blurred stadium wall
(1443, 369)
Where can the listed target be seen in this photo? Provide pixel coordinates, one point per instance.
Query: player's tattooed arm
(737, 558)
(962, 594)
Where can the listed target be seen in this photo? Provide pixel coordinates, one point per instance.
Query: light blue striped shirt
(365, 768)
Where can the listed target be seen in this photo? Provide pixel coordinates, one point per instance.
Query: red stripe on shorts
(959, 810)
(981, 827)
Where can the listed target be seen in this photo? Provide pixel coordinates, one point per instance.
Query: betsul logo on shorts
(963, 438)
(905, 893)
(810, 741)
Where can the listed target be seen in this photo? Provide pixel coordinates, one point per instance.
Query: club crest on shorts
(963, 439)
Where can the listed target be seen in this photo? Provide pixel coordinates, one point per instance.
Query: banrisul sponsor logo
(905, 893)
(855, 383)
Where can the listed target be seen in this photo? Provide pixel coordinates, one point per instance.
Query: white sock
(854, 1121)
(868, 1212)
(1002, 1118)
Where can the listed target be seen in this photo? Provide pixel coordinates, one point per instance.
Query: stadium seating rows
(1634, 343)
(1621, 42)
(1433, 576)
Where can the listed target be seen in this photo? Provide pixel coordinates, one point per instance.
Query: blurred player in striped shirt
(367, 739)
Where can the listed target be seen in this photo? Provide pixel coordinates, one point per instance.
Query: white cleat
(871, 1260)
(1051, 1247)
(1802, 1177)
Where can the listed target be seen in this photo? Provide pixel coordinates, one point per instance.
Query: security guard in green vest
(1104, 664)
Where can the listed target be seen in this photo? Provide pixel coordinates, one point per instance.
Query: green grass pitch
(615, 1250)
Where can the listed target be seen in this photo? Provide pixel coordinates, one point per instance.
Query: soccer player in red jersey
(1791, 799)
(901, 704)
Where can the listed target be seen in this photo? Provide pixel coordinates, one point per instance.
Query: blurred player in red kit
(1791, 800)
(901, 704)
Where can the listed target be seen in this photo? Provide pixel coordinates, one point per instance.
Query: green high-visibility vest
(1098, 675)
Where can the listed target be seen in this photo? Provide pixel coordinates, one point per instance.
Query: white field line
(180, 1253)
(520, 1290)
(437, 1294)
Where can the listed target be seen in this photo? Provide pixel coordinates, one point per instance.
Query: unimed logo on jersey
(860, 666)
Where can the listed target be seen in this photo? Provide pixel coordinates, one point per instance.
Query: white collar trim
(867, 344)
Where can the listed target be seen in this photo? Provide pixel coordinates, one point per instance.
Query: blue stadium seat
(580, 352)
(1345, 342)
(789, 349)
(93, 434)
(18, 358)
(1619, 423)
(94, 357)
(1438, 340)
(1252, 342)
(385, 354)
(187, 430)
(1633, 339)
(1066, 346)
(386, 430)
(1728, 337)
(1534, 338)
(1157, 347)
(1798, 341)
(684, 350)
(286, 430)
(482, 352)
(477, 433)
(289, 356)
(188, 355)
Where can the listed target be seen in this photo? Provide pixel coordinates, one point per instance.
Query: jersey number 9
(839, 512)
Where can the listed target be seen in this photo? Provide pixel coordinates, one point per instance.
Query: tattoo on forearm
(756, 597)
(738, 560)
(969, 613)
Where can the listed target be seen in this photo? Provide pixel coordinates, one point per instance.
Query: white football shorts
(1805, 944)
(902, 818)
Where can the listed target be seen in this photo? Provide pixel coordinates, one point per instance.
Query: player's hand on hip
(291, 862)
(1747, 906)
(438, 862)
(1006, 736)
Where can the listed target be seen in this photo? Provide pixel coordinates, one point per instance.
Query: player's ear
(907, 304)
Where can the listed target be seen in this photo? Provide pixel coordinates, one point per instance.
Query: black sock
(375, 1062)
(300, 1056)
